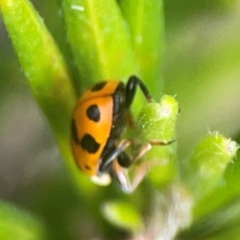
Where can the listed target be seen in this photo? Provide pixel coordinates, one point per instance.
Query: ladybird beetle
(98, 121)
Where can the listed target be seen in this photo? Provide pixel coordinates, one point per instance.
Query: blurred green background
(201, 67)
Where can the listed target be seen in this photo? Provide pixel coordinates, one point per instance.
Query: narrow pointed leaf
(44, 69)
(146, 23)
(99, 40)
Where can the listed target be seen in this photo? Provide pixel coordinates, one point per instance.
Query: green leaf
(228, 190)
(18, 224)
(157, 122)
(208, 164)
(99, 40)
(229, 232)
(45, 70)
(123, 215)
(220, 223)
(146, 24)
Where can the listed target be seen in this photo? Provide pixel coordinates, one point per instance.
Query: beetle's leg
(120, 173)
(131, 89)
(148, 146)
(114, 154)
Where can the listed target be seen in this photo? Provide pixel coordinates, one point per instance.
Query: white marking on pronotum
(77, 7)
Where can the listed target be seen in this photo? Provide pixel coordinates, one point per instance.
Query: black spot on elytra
(89, 144)
(98, 86)
(74, 132)
(87, 167)
(93, 113)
